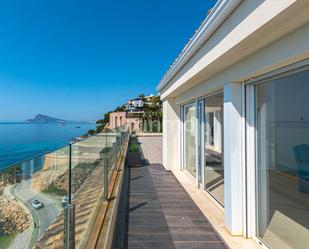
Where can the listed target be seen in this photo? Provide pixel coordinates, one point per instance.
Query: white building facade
(236, 119)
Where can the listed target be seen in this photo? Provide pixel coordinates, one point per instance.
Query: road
(45, 215)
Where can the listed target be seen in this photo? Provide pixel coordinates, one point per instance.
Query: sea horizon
(22, 141)
(67, 122)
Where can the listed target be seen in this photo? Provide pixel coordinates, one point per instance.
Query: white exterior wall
(258, 37)
(290, 49)
(252, 26)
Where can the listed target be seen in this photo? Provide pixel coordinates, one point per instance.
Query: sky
(77, 59)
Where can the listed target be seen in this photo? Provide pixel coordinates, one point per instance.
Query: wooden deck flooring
(155, 212)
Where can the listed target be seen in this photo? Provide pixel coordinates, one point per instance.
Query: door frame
(183, 137)
(201, 143)
(251, 139)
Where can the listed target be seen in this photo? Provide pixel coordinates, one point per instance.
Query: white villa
(236, 121)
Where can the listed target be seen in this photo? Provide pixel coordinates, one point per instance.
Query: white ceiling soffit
(218, 15)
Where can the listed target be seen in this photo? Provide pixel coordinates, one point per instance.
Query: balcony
(155, 211)
(90, 199)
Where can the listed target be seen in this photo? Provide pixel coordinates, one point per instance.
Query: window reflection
(282, 141)
(190, 138)
(214, 170)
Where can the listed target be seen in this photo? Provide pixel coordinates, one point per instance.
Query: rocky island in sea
(44, 119)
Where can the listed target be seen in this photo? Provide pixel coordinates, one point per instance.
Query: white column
(171, 134)
(233, 187)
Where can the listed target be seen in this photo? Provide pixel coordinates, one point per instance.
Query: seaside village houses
(236, 121)
(133, 115)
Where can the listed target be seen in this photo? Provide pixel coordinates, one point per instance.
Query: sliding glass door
(203, 143)
(213, 137)
(190, 149)
(282, 161)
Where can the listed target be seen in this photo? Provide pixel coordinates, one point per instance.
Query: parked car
(65, 200)
(37, 204)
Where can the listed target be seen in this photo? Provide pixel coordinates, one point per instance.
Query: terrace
(156, 211)
(111, 205)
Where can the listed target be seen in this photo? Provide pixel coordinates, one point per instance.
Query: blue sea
(20, 141)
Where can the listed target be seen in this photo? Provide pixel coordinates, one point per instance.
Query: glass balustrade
(55, 198)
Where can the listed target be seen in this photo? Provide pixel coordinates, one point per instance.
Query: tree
(141, 96)
(91, 132)
(153, 112)
(120, 108)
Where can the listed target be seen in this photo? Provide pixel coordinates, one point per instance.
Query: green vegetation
(6, 240)
(152, 116)
(106, 150)
(12, 174)
(153, 126)
(134, 148)
(52, 189)
(102, 123)
(91, 132)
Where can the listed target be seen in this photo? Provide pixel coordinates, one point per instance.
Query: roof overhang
(220, 12)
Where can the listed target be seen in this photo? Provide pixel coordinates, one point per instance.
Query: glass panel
(87, 183)
(52, 180)
(36, 192)
(214, 170)
(282, 143)
(190, 138)
(32, 195)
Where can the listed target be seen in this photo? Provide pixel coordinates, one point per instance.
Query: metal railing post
(72, 226)
(66, 228)
(69, 212)
(70, 173)
(105, 191)
(69, 227)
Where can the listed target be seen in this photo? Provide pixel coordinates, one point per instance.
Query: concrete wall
(117, 119)
(134, 124)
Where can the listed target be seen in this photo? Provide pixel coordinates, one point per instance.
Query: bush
(134, 148)
(52, 189)
(91, 132)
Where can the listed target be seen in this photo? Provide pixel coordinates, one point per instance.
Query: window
(213, 139)
(190, 138)
(203, 157)
(282, 161)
